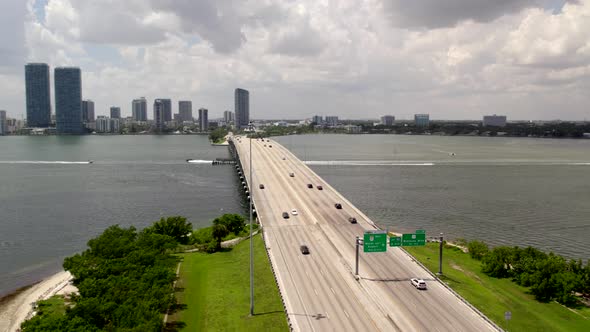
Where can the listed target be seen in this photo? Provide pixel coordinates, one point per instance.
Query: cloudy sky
(454, 59)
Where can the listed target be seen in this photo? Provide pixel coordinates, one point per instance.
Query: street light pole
(251, 240)
(440, 253)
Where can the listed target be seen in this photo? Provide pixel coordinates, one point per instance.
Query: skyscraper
(159, 120)
(87, 110)
(242, 108)
(228, 117)
(167, 108)
(388, 120)
(203, 119)
(422, 120)
(68, 100)
(139, 109)
(332, 121)
(317, 119)
(3, 125)
(38, 94)
(115, 112)
(185, 110)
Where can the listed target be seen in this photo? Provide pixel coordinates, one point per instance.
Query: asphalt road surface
(320, 290)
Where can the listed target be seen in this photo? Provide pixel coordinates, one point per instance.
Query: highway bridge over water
(319, 290)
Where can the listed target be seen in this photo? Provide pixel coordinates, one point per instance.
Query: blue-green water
(49, 211)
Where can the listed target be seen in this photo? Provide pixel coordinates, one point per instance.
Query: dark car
(291, 174)
(261, 186)
(338, 206)
(320, 188)
(285, 215)
(352, 220)
(304, 249)
(309, 185)
(270, 146)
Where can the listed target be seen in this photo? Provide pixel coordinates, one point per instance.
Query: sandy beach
(17, 308)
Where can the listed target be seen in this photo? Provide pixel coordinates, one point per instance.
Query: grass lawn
(214, 292)
(54, 305)
(494, 296)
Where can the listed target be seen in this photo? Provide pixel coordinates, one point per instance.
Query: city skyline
(525, 59)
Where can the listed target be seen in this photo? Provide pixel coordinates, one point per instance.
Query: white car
(294, 212)
(418, 283)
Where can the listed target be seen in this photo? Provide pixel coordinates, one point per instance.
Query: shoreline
(17, 307)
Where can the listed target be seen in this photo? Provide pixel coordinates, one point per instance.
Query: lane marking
(315, 291)
(332, 289)
(346, 313)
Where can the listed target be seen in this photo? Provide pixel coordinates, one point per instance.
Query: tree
(219, 232)
(233, 222)
(176, 227)
(497, 262)
(477, 249)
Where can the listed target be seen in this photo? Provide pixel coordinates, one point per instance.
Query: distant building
(167, 109)
(185, 110)
(106, 125)
(422, 120)
(317, 119)
(139, 109)
(115, 112)
(38, 94)
(388, 120)
(203, 119)
(228, 117)
(242, 108)
(494, 120)
(332, 121)
(159, 109)
(87, 111)
(352, 129)
(68, 100)
(3, 124)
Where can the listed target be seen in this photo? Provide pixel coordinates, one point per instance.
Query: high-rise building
(167, 109)
(388, 120)
(139, 109)
(242, 108)
(159, 120)
(115, 112)
(422, 120)
(3, 124)
(228, 117)
(68, 100)
(203, 119)
(494, 120)
(185, 110)
(38, 94)
(317, 119)
(87, 111)
(106, 125)
(332, 121)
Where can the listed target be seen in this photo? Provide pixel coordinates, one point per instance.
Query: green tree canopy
(176, 227)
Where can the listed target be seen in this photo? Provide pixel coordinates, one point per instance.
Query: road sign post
(375, 241)
(440, 250)
(358, 243)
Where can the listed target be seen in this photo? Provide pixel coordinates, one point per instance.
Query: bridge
(319, 290)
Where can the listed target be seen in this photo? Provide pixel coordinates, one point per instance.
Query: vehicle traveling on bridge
(261, 186)
(352, 220)
(292, 175)
(309, 185)
(320, 187)
(294, 212)
(338, 206)
(285, 215)
(304, 249)
(418, 283)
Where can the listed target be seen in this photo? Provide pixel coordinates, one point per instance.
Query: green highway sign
(420, 231)
(412, 240)
(395, 241)
(375, 242)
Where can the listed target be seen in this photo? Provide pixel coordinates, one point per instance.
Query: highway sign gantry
(375, 242)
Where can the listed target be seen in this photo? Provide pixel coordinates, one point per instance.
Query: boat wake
(199, 161)
(60, 162)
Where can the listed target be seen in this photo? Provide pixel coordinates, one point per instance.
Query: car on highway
(304, 249)
(320, 187)
(418, 283)
(285, 215)
(264, 145)
(309, 185)
(292, 175)
(261, 186)
(268, 140)
(284, 158)
(338, 206)
(352, 220)
(294, 212)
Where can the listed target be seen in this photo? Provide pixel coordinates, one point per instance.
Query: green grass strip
(214, 291)
(494, 296)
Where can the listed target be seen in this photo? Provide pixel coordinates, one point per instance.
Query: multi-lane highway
(320, 290)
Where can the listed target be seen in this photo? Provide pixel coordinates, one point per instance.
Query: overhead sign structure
(412, 240)
(395, 241)
(375, 242)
